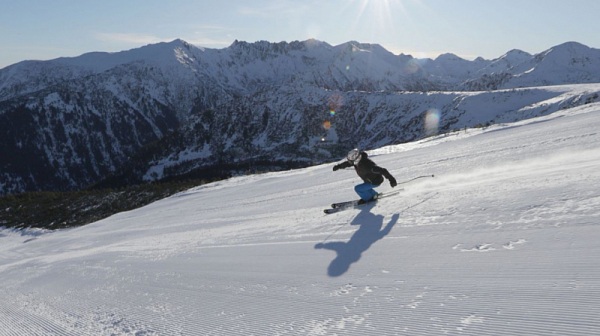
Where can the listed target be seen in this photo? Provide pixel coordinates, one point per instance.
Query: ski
(336, 207)
(354, 202)
(348, 205)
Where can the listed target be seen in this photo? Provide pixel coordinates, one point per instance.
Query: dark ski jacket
(368, 171)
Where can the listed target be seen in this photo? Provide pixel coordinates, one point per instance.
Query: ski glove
(336, 167)
(393, 182)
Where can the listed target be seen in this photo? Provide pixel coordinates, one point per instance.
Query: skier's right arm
(345, 164)
(385, 173)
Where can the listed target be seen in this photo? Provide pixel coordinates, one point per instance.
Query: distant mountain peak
(361, 46)
(449, 57)
(274, 47)
(569, 52)
(179, 41)
(513, 57)
(572, 45)
(314, 42)
(517, 52)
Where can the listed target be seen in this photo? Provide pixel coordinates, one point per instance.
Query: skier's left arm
(342, 165)
(387, 175)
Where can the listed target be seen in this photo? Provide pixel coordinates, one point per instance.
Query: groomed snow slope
(503, 241)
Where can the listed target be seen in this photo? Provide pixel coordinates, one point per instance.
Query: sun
(380, 7)
(381, 14)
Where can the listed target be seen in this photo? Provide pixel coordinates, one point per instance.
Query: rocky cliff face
(171, 108)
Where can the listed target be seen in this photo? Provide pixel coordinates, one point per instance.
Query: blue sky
(41, 29)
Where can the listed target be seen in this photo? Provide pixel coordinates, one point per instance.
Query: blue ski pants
(365, 190)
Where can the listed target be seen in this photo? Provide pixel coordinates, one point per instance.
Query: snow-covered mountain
(70, 122)
(502, 241)
(567, 63)
(288, 128)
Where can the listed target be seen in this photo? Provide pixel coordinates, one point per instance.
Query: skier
(367, 170)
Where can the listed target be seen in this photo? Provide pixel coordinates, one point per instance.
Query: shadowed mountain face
(172, 109)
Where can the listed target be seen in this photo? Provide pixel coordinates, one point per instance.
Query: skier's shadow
(368, 233)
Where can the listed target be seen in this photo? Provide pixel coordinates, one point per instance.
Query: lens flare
(332, 112)
(411, 67)
(347, 67)
(432, 121)
(327, 125)
(335, 101)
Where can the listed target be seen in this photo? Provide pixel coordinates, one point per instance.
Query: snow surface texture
(503, 241)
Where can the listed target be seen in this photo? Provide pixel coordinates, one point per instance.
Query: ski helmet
(354, 156)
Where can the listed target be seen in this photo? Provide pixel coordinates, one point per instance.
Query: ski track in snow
(503, 241)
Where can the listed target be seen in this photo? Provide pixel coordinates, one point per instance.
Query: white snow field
(504, 240)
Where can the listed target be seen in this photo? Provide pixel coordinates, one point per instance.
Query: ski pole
(416, 178)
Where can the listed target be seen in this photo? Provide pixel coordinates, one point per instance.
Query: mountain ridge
(80, 119)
